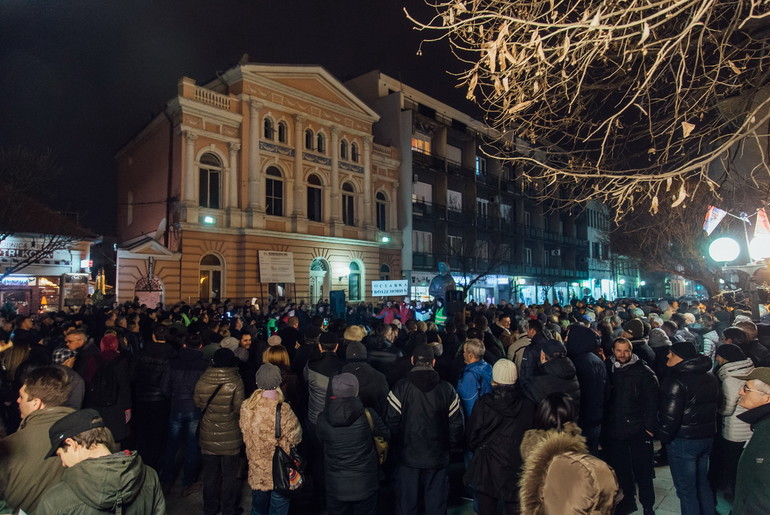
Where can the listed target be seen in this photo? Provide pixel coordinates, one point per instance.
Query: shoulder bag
(380, 444)
(287, 468)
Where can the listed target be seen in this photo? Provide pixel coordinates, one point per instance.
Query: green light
(385, 239)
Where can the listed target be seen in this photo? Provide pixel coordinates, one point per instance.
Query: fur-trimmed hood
(556, 466)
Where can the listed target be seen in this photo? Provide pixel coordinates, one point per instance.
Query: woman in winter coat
(495, 432)
(728, 445)
(219, 395)
(111, 397)
(258, 416)
(278, 355)
(559, 476)
(351, 461)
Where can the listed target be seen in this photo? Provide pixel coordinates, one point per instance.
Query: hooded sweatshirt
(118, 483)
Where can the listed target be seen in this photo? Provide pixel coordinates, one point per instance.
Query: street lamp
(759, 248)
(724, 250)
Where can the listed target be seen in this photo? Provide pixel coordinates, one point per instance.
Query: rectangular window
(274, 197)
(482, 208)
(481, 165)
(527, 256)
(348, 213)
(382, 217)
(422, 242)
(455, 244)
(209, 188)
(505, 212)
(454, 200)
(482, 250)
(454, 154)
(527, 218)
(546, 258)
(314, 204)
(421, 143)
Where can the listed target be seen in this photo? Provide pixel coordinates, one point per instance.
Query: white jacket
(733, 429)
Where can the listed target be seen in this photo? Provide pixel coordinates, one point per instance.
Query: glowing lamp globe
(724, 250)
(759, 248)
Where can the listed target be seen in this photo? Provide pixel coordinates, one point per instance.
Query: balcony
(422, 260)
(439, 164)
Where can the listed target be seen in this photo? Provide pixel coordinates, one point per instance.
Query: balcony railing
(212, 98)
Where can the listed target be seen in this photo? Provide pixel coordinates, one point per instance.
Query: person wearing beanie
(499, 421)
(732, 364)
(257, 422)
(219, 394)
(229, 343)
(373, 386)
(351, 460)
(629, 423)
(424, 414)
(687, 423)
(556, 373)
(151, 407)
(633, 330)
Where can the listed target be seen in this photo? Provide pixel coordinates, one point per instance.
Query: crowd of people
(547, 408)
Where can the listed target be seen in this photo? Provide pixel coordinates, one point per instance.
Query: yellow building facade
(263, 183)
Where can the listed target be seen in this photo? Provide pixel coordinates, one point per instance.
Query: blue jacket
(475, 381)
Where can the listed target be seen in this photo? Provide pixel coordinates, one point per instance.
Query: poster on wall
(276, 267)
(75, 289)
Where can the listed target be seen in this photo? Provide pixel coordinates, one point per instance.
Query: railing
(212, 98)
(420, 259)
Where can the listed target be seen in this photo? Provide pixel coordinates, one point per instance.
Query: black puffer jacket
(178, 383)
(557, 375)
(632, 400)
(591, 373)
(689, 397)
(495, 431)
(147, 370)
(350, 458)
(425, 419)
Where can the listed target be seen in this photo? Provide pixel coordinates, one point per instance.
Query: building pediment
(145, 246)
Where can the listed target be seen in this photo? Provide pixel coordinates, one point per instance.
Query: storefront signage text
(388, 288)
(276, 267)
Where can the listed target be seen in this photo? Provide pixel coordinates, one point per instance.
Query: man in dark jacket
(151, 407)
(425, 419)
(373, 387)
(126, 485)
(352, 471)
(687, 423)
(556, 373)
(632, 407)
(752, 487)
(178, 385)
(582, 344)
(754, 350)
(531, 357)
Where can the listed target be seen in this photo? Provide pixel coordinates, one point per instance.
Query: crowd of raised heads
(540, 408)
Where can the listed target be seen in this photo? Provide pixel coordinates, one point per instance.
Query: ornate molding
(351, 168)
(190, 136)
(335, 130)
(316, 159)
(255, 106)
(299, 118)
(234, 147)
(271, 147)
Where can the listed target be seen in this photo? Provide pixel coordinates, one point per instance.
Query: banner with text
(390, 288)
(276, 267)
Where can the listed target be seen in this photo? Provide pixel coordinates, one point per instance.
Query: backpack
(104, 385)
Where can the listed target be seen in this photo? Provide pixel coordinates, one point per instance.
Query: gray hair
(474, 346)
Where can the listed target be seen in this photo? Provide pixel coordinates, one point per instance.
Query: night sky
(82, 77)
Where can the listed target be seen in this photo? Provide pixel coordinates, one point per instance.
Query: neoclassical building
(263, 182)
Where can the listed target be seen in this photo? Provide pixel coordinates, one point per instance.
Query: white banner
(390, 288)
(276, 267)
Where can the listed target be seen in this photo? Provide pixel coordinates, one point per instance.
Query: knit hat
(268, 377)
(274, 340)
(504, 372)
(423, 353)
(345, 385)
(684, 350)
(354, 333)
(730, 352)
(109, 342)
(62, 354)
(552, 347)
(229, 343)
(355, 350)
(223, 358)
(634, 327)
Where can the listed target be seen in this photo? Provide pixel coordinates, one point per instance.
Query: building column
(335, 184)
(367, 181)
(299, 136)
(232, 182)
(189, 168)
(254, 160)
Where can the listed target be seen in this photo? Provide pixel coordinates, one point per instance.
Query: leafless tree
(629, 103)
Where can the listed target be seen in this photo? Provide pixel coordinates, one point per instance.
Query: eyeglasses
(747, 389)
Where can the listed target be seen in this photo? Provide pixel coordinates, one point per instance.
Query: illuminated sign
(86, 263)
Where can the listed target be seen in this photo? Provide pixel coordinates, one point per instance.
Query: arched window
(269, 130)
(354, 156)
(320, 143)
(274, 192)
(210, 283)
(210, 174)
(314, 196)
(309, 139)
(382, 211)
(343, 149)
(283, 132)
(348, 205)
(354, 281)
(384, 272)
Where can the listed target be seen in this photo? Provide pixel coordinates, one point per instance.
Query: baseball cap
(72, 425)
(423, 353)
(62, 354)
(759, 373)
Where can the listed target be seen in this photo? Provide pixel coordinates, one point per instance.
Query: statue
(442, 282)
